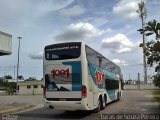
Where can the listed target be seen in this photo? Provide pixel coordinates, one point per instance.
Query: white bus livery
(76, 77)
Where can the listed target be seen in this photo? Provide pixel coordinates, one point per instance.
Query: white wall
(25, 90)
(142, 86)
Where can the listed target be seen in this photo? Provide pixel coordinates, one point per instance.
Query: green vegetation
(156, 80)
(20, 77)
(9, 87)
(152, 47)
(31, 79)
(156, 95)
(8, 77)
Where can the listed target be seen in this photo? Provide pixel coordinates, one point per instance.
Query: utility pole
(19, 38)
(14, 67)
(143, 14)
(139, 81)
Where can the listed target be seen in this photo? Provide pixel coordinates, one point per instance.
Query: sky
(108, 26)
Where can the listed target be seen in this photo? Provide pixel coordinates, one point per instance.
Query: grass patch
(156, 95)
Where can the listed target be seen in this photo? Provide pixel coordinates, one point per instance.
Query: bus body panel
(99, 82)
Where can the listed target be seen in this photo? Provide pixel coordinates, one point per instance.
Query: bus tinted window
(91, 55)
(99, 60)
(62, 51)
(112, 84)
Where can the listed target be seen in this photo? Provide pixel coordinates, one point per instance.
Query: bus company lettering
(99, 77)
(60, 72)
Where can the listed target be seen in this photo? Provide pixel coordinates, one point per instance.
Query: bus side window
(90, 56)
(111, 84)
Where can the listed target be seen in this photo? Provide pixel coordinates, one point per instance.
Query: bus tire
(99, 106)
(118, 96)
(103, 103)
(105, 98)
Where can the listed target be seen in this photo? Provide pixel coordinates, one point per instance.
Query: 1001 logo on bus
(100, 78)
(62, 72)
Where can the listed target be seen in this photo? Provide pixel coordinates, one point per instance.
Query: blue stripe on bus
(76, 75)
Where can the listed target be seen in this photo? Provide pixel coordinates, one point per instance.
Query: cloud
(140, 62)
(119, 44)
(36, 55)
(120, 62)
(126, 8)
(153, 2)
(97, 21)
(100, 21)
(79, 32)
(28, 11)
(73, 11)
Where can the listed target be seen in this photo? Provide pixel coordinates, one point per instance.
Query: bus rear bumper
(67, 105)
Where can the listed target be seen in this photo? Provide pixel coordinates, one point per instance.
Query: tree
(10, 87)
(31, 79)
(20, 77)
(152, 48)
(156, 80)
(8, 77)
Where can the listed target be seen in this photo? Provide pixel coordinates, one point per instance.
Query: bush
(11, 91)
(10, 87)
(156, 80)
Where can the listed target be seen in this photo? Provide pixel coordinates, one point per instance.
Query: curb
(12, 110)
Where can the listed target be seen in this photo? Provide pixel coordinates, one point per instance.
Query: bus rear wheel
(103, 103)
(99, 106)
(118, 96)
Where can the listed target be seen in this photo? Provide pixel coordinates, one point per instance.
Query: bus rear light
(84, 91)
(44, 91)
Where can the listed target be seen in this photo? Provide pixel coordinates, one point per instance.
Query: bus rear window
(62, 51)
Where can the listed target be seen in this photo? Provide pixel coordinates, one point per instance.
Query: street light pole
(19, 38)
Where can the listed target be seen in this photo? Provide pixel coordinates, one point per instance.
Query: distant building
(131, 82)
(12, 80)
(5, 44)
(30, 87)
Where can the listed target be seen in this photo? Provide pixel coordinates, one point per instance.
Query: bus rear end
(62, 70)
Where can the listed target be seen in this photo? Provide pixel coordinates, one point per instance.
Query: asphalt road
(32, 99)
(132, 102)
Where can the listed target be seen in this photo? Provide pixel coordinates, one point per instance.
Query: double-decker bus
(76, 77)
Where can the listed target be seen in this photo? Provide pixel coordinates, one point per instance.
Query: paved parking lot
(132, 102)
(32, 99)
